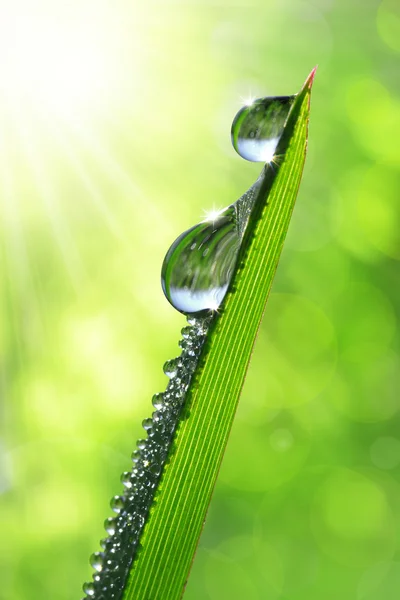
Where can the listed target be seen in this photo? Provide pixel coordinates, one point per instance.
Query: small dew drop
(157, 416)
(186, 345)
(157, 401)
(155, 469)
(97, 560)
(135, 456)
(88, 588)
(141, 444)
(110, 525)
(126, 479)
(117, 504)
(171, 368)
(147, 424)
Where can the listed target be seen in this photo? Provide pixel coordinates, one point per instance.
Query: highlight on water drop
(258, 127)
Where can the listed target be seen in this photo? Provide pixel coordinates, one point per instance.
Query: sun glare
(62, 76)
(248, 100)
(55, 61)
(212, 215)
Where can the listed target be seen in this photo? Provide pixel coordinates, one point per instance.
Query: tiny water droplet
(190, 365)
(194, 282)
(157, 416)
(147, 424)
(141, 444)
(186, 345)
(135, 456)
(88, 588)
(117, 504)
(155, 469)
(257, 128)
(171, 368)
(157, 401)
(187, 332)
(110, 525)
(126, 479)
(97, 560)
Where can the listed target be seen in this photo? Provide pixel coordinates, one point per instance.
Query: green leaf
(170, 536)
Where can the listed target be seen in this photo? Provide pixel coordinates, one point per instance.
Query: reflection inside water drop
(257, 128)
(198, 266)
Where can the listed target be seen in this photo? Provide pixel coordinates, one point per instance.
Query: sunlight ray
(61, 140)
(20, 292)
(48, 197)
(88, 139)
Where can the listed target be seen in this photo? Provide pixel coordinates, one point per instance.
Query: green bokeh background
(92, 192)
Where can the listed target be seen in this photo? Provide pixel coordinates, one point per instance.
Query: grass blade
(170, 535)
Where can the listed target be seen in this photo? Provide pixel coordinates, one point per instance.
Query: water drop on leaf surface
(257, 128)
(117, 504)
(88, 588)
(97, 560)
(109, 525)
(199, 265)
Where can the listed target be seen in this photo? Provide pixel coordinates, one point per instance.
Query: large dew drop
(257, 128)
(199, 265)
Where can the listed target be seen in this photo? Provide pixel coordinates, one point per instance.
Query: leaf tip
(310, 78)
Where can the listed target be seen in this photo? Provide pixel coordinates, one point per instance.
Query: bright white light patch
(247, 101)
(191, 302)
(212, 215)
(55, 60)
(257, 150)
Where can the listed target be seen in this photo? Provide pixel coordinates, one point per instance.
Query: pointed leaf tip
(310, 78)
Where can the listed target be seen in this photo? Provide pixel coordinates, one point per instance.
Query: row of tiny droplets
(111, 565)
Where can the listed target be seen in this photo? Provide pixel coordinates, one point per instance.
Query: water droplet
(147, 424)
(97, 560)
(187, 345)
(126, 479)
(157, 401)
(171, 367)
(195, 283)
(257, 129)
(88, 588)
(135, 456)
(141, 444)
(190, 364)
(117, 504)
(155, 469)
(157, 416)
(110, 525)
(187, 332)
